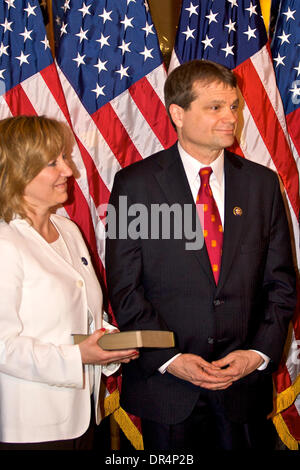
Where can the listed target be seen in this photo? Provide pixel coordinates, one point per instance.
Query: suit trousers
(208, 428)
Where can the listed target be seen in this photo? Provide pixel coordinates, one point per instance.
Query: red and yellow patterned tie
(210, 222)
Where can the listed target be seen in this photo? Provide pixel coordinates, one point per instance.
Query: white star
(1, 73)
(26, 34)
(230, 26)
(289, 14)
(99, 90)
(128, 1)
(207, 42)
(146, 5)
(106, 15)
(23, 58)
(85, 9)
(79, 59)
(3, 49)
(284, 38)
(279, 60)
(10, 3)
(63, 29)
(123, 71)
(127, 22)
(101, 65)
(295, 90)
(228, 50)
(103, 40)
(233, 3)
(148, 29)
(188, 33)
(147, 53)
(58, 20)
(212, 17)
(252, 9)
(192, 9)
(298, 69)
(30, 10)
(125, 47)
(66, 6)
(82, 34)
(250, 33)
(46, 42)
(7, 25)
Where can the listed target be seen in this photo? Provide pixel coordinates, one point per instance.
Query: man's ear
(176, 113)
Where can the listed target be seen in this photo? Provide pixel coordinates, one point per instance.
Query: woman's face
(49, 187)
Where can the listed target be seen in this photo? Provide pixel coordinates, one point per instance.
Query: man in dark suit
(228, 301)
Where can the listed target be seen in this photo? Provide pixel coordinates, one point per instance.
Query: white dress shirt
(216, 180)
(217, 185)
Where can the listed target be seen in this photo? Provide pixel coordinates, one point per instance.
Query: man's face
(209, 125)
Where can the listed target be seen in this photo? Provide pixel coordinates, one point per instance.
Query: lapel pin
(84, 260)
(237, 211)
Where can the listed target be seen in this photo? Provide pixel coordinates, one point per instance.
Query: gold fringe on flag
(112, 406)
(283, 401)
(111, 403)
(284, 433)
(129, 429)
(287, 397)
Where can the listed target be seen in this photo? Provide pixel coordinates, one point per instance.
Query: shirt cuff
(162, 369)
(266, 359)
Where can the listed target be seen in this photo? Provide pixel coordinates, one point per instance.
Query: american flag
(286, 57)
(232, 33)
(112, 75)
(24, 52)
(58, 11)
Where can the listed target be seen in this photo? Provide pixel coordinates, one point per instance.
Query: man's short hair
(179, 87)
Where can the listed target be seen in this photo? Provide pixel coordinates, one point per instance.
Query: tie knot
(205, 174)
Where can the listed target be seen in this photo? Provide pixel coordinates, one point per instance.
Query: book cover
(133, 339)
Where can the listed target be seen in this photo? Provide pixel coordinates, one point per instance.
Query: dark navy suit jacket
(159, 284)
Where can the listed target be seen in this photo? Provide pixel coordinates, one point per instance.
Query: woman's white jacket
(45, 391)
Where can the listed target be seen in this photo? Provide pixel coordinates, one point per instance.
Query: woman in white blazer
(49, 291)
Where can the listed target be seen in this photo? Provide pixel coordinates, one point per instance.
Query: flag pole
(265, 6)
(50, 27)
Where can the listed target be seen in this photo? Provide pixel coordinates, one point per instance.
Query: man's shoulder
(253, 168)
(149, 164)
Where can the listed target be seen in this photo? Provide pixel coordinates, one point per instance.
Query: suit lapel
(236, 201)
(173, 181)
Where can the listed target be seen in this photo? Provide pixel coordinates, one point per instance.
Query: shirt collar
(193, 166)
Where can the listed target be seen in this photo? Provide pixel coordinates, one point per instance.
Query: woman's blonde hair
(27, 145)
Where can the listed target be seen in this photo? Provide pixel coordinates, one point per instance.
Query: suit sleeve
(22, 356)
(279, 285)
(124, 270)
